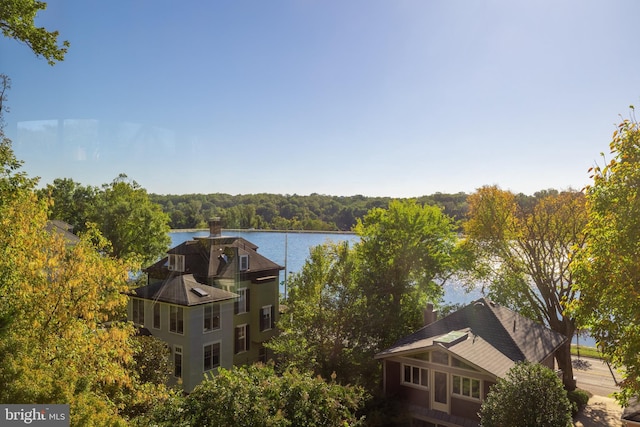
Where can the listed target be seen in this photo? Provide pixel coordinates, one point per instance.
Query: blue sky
(381, 98)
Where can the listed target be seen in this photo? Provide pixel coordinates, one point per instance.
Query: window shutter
(236, 347)
(261, 319)
(236, 306)
(248, 299)
(247, 336)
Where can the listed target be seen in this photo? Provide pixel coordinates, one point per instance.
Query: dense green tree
(151, 357)
(135, 226)
(531, 395)
(71, 202)
(608, 267)
(405, 253)
(17, 21)
(256, 396)
(317, 330)
(524, 254)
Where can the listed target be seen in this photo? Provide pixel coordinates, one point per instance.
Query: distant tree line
(295, 212)
(287, 212)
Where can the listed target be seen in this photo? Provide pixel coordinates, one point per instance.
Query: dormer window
(176, 262)
(244, 262)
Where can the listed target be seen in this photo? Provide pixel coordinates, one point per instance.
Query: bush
(530, 395)
(256, 396)
(578, 399)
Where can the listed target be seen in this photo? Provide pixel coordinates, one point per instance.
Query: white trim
(177, 349)
(423, 376)
(242, 300)
(235, 337)
(179, 308)
(243, 262)
(155, 305)
(213, 316)
(461, 387)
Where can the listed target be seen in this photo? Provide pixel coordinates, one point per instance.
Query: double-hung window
(211, 356)
(211, 317)
(177, 361)
(176, 262)
(242, 304)
(266, 317)
(241, 338)
(138, 311)
(156, 315)
(176, 319)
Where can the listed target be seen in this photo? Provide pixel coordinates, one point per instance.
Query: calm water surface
(292, 249)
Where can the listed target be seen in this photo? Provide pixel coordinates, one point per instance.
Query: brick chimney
(215, 227)
(430, 315)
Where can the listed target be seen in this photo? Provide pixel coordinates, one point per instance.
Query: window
(266, 317)
(242, 339)
(242, 304)
(177, 361)
(416, 375)
(440, 357)
(460, 364)
(464, 386)
(176, 319)
(211, 317)
(156, 315)
(211, 356)
(138, 311)
(244, 262)
(176, 262)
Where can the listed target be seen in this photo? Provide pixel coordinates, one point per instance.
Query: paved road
(594, 376)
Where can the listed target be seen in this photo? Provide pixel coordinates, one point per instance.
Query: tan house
(445, 370)
(214, 300)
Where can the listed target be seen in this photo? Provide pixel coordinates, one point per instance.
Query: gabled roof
(489, 336)
(182, 290)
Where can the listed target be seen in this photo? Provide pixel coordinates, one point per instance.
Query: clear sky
(340, 97)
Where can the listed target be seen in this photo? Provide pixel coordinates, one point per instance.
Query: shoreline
(250, 230)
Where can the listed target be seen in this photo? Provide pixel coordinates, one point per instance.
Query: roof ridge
(492, 305)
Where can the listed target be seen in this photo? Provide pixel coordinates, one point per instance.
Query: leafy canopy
(523, 252)
(348, 303)
(608, 266)
(256, 396)
(17, 21)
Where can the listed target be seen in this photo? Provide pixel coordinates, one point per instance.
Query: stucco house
(214, 300)
(444, 370)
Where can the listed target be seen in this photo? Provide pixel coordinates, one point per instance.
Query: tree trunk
(563, 357)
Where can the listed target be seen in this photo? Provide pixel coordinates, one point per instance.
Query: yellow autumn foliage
(60, 338)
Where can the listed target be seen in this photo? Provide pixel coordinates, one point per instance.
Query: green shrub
(578, 399)
(530, 395)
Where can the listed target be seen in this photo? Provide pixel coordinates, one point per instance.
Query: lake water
(292, 249)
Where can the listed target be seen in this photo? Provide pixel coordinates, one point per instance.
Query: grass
(586, 351)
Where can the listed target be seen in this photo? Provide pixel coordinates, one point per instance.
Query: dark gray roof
(204, 257)
(493, 338)
(182, 290)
